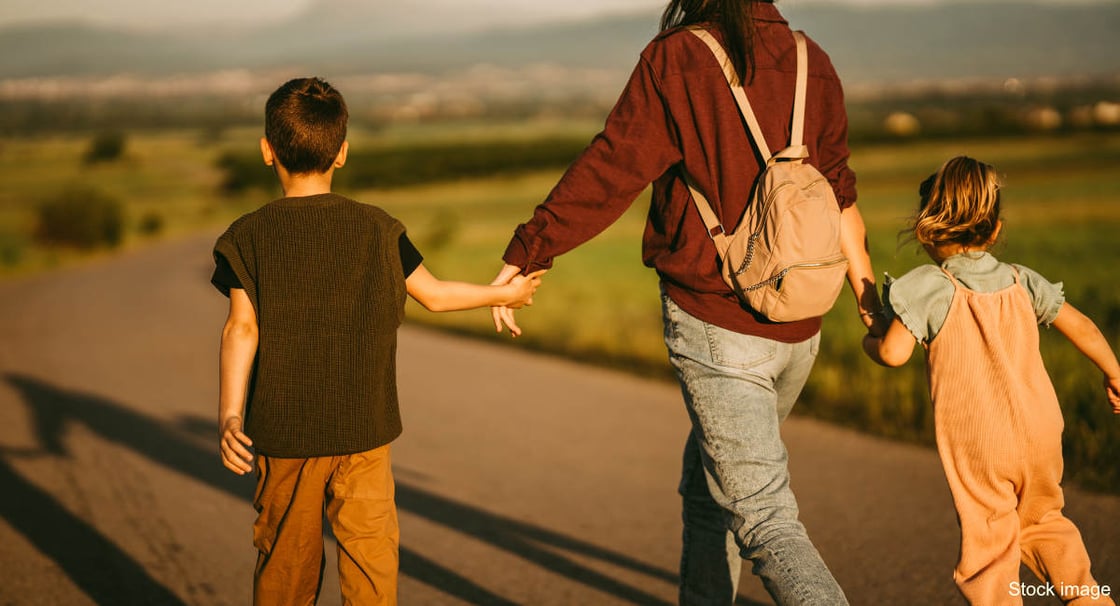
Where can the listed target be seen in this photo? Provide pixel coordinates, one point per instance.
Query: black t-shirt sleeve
(224, 278)
(410, 257)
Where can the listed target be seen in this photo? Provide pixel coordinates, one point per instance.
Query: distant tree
(243, 172)
(106, 147)
(82, 217)
(11, 248)
(151, 224)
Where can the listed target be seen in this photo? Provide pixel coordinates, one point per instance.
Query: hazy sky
(162, 12)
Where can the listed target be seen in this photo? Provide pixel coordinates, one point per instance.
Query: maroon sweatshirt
(677, 114)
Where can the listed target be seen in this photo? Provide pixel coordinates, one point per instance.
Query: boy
(316, 284)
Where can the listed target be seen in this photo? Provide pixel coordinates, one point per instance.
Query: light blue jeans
(735, 481)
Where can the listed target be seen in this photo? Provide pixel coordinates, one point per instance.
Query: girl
(996, 415)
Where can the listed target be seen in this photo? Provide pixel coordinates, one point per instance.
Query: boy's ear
(340, 159)
(266, 152)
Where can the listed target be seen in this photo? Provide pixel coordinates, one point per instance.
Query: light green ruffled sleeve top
(922, 296)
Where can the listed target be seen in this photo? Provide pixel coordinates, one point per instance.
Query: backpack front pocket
(816, 285)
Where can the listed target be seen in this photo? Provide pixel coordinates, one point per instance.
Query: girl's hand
(1112, 388)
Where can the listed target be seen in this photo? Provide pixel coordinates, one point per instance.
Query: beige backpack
(784, 258)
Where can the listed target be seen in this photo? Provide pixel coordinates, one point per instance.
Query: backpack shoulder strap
(711, 221)
(736, 89)
(797, 136)
(794, 151)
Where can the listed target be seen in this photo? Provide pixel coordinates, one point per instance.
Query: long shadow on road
(91, 560)
(57, 533)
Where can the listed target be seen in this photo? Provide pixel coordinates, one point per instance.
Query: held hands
(523, 288)
(235, 454)
(876, 323)
(503, 314)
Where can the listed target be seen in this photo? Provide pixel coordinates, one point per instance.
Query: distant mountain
(952, 40)
(881, 44)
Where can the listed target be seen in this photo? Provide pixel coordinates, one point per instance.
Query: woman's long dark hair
(734, 20)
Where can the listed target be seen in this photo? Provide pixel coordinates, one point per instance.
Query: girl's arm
(1084, 334)
(239, 348)
(892, 349)
(445, 295)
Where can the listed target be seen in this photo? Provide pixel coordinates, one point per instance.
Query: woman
(739, 373)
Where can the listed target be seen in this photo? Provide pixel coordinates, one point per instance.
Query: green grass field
(599, 304)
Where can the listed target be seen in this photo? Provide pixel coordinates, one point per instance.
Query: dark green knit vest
(325, 278)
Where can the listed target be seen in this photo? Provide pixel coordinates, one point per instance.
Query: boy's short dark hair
(305, 123)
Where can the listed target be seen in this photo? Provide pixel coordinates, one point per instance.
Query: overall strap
(956, 285)
(796, 149)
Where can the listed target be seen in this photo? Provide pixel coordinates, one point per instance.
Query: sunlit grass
(600, 304)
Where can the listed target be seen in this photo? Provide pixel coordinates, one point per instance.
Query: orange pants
(357, 492)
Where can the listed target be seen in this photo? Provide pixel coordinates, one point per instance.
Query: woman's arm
(636, 146)
(861, 276)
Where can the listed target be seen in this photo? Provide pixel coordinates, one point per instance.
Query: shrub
(11, 249)
(243, 172)
(151, 224)
(81, 217)
(105, 147)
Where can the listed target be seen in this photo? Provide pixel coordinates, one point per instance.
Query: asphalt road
(522, 479)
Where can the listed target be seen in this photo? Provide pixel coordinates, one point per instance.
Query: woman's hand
(503, 314)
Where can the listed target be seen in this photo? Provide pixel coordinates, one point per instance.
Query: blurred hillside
(948, 69)
(880, 44)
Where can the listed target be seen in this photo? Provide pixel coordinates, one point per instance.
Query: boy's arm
(893, 348)
(239, 348)
(446, 295)
(1084, 334)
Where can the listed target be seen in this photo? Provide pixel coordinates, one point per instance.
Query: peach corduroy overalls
(999, 434)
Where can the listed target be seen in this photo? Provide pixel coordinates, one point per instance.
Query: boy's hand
(235, 455)
(1112, 388)
(523, 288)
